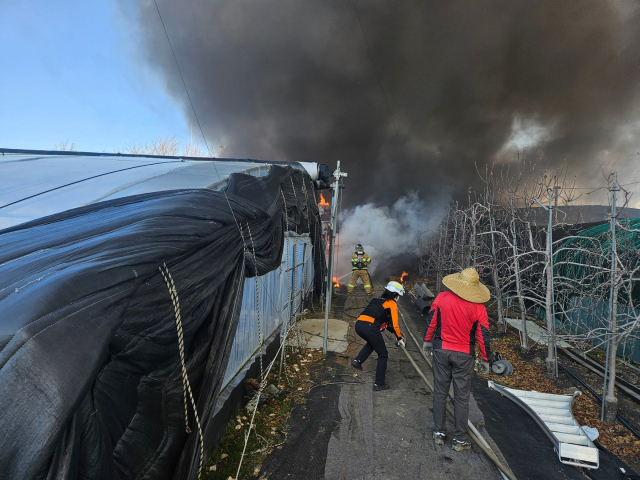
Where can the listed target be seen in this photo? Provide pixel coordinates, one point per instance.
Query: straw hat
(467, 286)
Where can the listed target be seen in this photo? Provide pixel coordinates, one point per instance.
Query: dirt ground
(331, 425)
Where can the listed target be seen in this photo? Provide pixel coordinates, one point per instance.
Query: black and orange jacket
(381, 311)
(454, 324)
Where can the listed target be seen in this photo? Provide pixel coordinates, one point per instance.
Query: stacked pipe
(423, 297)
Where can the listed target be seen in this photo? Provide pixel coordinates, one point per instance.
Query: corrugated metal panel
(274, 303)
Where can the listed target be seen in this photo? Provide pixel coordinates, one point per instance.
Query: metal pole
(334, 208)
(473, 237)
(453, 244)
(609, 367)
(552, 365)
(524, 340)
(496, 281)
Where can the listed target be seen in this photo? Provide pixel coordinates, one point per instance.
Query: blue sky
(69, 72)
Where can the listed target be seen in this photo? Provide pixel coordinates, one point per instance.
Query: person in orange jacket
(380, 314)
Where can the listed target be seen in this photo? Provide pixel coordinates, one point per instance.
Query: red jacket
(455, 324)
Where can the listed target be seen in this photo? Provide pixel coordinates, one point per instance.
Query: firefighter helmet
(395, 287)
(359, 247)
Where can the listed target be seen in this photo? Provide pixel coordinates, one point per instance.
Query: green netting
(584, 261)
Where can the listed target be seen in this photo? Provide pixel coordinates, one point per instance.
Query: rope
(255, 408)
(306, 200)
(260, 338)
(186, 385)
(286, 218)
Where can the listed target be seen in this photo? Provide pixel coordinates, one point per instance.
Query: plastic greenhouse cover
(90, 372)
(35, 186)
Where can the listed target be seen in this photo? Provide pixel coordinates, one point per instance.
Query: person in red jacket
(456, 320)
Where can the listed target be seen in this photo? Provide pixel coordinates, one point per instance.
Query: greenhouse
(582, 282)
(135, 295)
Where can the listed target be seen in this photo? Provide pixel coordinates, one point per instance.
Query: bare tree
(65, 146)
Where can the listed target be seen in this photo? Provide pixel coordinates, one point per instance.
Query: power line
(375, 73)
(240, 230)
(175, 59)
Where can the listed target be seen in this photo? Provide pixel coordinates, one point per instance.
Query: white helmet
(395, 287)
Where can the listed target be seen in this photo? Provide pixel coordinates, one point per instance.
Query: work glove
(485, 368)
(400, 342)
(427, 348)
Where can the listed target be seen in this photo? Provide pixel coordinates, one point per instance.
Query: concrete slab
(313, 334)
(534, 331)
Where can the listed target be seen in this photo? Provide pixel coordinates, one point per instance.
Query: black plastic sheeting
(90, 373)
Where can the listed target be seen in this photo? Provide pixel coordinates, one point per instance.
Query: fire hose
(473, 432)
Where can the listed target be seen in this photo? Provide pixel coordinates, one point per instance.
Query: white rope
(263, 378)
(286, 235)
(255, 408)
(186, 386)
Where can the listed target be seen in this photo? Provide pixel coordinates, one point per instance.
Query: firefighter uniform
(359, 263)
(379, 315)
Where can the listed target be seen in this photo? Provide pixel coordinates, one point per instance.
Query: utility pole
(556, 189)
(455, 234)
(524, 340)
(496, 281)
(610, 404)
(473, 237)
(337, 174)
(551, 361)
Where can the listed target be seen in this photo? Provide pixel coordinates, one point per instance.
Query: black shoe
(384, 386)
(459, 445)
(356, 364)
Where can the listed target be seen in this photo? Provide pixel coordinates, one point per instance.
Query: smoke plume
(409, 95)
(386, 233)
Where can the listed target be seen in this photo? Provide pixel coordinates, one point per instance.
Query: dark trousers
(373, 336)
(451, 366)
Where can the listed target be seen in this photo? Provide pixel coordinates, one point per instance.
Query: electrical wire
(182, 78)
(265, 290)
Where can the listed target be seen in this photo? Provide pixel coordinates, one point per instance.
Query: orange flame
(322, 200)
(404, 274)
(336, 283)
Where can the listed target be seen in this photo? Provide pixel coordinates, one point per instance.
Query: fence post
(334, 209)
(524, 340)
(552, 364)
(610, 402)
(496, 281)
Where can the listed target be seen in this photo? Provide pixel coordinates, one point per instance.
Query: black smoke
(292, 80)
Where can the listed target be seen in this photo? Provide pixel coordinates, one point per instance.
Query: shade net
(91, 382)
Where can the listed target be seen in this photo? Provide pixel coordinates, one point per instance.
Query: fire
(404, 274)
(336, 283)
(322, 200)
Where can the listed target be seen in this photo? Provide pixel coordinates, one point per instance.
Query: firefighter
(380, 314)
(457, 319)
(359, 263)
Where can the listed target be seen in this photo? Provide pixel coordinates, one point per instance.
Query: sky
(411, 95)
(70, 72)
